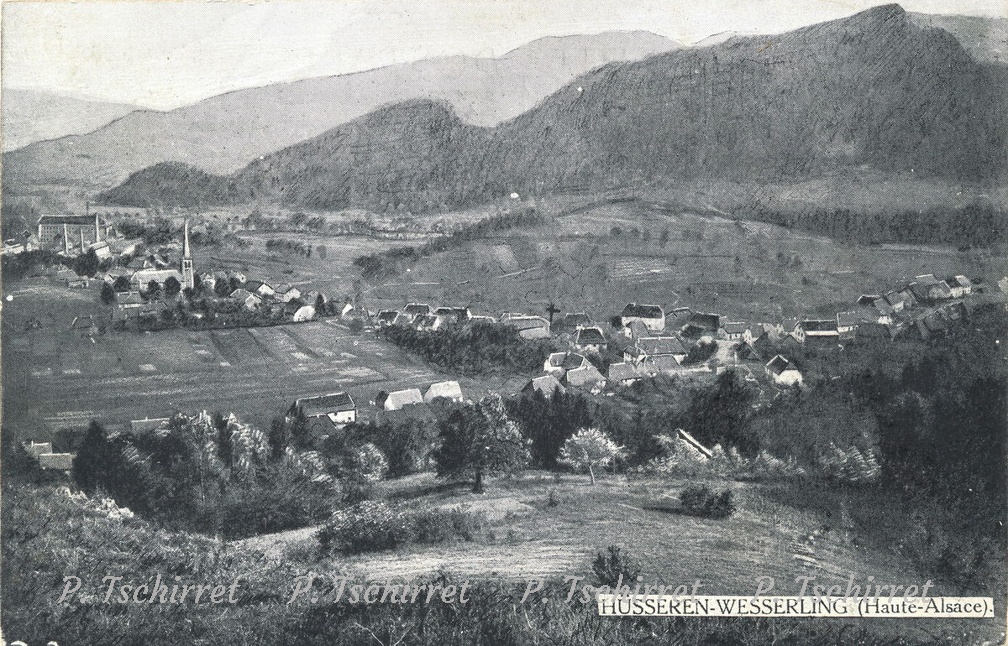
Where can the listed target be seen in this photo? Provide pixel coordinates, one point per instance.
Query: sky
(163, 54)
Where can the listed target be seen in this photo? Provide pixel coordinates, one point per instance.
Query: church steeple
(188, 279)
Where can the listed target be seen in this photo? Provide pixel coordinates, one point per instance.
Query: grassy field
(777, 531)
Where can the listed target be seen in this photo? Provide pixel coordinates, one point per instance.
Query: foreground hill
(223, 133)
(30, 116)
(870, 91)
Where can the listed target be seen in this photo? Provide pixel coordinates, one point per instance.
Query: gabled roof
(814, 325)
(926, 279)
(397, 399)
(574, 319)
(638, 329)
(322, 405)
(779, 364)
(642, 311)
(68, 219)
(57, 461)
(584, 376)
(709, 322)
(446, 389)
(848, 318)
(388, 316)
(661, 363)
(733, 327)
(545, 384)
(622, 372)
(527, 322)
(659, 345)
(589, 336)
(962, 281)
(417, 308)
(942, 289)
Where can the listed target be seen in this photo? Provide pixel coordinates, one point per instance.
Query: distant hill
(985, 38)
(30, 116)
(223, 133)
(874, 90)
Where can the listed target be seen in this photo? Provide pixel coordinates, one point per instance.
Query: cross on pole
(552, 309)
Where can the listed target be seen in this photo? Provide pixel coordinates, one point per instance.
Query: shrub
(371, 526)
(615, 567)
(699, 500)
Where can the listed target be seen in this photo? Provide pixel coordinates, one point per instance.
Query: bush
(615, 567)
(372, 526)
(699, 500)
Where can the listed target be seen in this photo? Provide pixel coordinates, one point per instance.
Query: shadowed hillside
(873, 90)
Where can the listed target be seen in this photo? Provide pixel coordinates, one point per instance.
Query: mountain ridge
(871, 90)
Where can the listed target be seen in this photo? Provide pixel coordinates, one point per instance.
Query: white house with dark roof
(286, 293)
(652, 316)
(959, 286)
(783, 372)
(817, 330)
(529, 327)
(733, 330)
(558, 363)
(656, 346)
(586, 376)
(338, 408)
(847, 321)
(414, 309)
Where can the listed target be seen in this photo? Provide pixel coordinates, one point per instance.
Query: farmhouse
(574, 320)
(782, 372)
(444, 390)
(622, 374)
(286, 293)
(656, 346)
(700, 324)
(636, 330)
(37, 448)
(959, 286)
(529, 327)
(414, 309)
(590, 339)
(455, 315)
(586, 376)
(652, 316)
(56, 461)
(733, 331)
(816, 330)
(338, 408)
(245, 298)
(545, 385)
(847, 322)
(392, 317)
(399, 399)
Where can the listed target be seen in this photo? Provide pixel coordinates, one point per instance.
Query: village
(149, 290)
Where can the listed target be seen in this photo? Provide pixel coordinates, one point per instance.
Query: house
(651, 316)
(399, 399)
(677, 318)
(482, 318)
(427, 322)
(546, 385)
(391, 317)
(338, 408)
(655, 346)
(56, 461)
(959, 286)
(80, 282)
(347, 309)
(455, 315)
(931, 325)
(873, 330)
(590, 339)
(885, 311)
(529, 327)
(147, 425)
(286, 293)
(868, 299)
(414, 309)
(304, 313)
(783, 372)
(558, 363)
(787, 326)
(733, 331)
(443, 390)
(847, 321)
(757, 331)
(586, 376)
(816, 330)
(312, 298)
(263, 290)
(622, 374)
(573, 320)
(636, 330)
(700, 324)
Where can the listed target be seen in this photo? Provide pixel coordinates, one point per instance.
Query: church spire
(188, 278)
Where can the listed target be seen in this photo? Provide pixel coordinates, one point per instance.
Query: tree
(121, 284)
(587, 449)
(478, 440)
(172, 287)
(108, 295)
(153, 290)
(95, 458)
